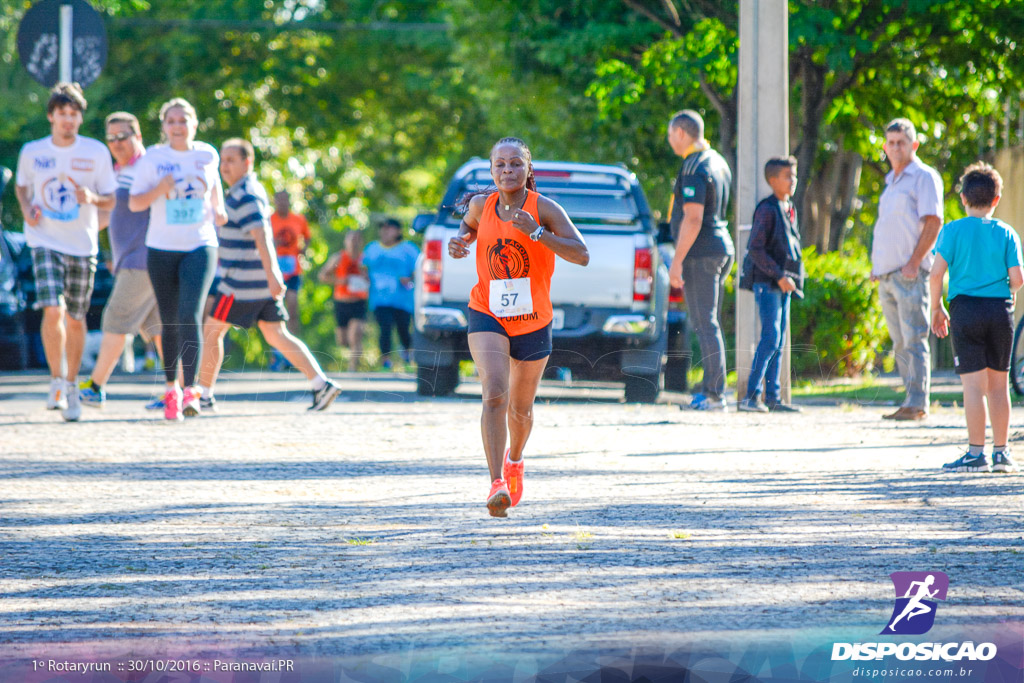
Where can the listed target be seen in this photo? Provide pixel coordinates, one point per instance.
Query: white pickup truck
(609, 317)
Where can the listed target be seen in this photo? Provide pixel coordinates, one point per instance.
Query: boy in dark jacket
(773, 269)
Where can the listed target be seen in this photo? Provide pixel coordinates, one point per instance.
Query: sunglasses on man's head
(120, 137)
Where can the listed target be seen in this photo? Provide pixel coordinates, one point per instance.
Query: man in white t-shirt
(63, 180)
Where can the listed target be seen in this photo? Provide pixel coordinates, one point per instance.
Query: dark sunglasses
(119, 138)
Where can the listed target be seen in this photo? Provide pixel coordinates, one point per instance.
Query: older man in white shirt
(909, 219)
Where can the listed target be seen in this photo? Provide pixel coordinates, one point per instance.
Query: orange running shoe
(498, 500)
(512, 472)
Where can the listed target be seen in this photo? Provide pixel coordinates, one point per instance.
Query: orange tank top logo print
(508, 259)
(514, 273)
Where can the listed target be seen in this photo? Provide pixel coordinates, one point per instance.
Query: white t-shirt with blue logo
(183, 221)
(55, 174)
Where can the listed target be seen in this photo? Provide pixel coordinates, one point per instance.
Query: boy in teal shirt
(983, 256)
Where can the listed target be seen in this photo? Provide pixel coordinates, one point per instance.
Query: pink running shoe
(172, 405)
(512, 473)
(190, 401)
(498, 500)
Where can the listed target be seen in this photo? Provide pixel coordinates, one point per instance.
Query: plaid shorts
(63, 280)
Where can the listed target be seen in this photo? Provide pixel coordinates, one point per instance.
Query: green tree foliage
(365, 107)
(838, 328)
(854, 65)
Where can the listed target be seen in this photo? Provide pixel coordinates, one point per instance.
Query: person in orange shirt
(291, 235)
(351, 291)
(517, 233)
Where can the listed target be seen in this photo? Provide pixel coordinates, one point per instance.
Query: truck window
(590, 198)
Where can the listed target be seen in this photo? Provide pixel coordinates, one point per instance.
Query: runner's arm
(275, 282)
(458, 246)
(220, 215)
(103, 202)
(561, 235)
(28, 209)
(327, 274)
(141, 202)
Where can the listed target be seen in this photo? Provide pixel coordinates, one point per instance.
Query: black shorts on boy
(982, 331)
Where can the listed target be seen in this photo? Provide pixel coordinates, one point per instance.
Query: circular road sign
(39, 42)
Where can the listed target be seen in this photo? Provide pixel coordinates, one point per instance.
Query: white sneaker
(57, 400)
(73, 410)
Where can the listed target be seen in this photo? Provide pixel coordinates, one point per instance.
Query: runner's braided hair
(462, 205)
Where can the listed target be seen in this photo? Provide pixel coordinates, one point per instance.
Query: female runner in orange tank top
(351, 292)
(518, 233)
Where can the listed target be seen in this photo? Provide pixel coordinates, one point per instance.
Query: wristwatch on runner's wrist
(535, 235)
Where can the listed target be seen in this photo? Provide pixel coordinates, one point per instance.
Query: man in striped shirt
(251, 287)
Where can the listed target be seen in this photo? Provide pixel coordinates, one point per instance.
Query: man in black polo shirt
(704, 250)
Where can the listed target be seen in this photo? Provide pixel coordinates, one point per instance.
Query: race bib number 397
(511, 297)
(184, 211)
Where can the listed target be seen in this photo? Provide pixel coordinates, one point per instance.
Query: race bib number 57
(511, 297)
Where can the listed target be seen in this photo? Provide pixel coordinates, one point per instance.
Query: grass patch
(869, 390)
(866, 390)
(582, 538)
(359, 541)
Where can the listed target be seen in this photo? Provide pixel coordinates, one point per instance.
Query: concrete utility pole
(763, 133)
(67, 20)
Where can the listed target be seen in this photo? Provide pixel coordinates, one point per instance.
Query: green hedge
(838, 328)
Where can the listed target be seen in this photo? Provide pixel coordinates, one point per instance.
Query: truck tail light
(643, 274)
(432, 267)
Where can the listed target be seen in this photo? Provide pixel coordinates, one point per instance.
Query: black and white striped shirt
(239, 261)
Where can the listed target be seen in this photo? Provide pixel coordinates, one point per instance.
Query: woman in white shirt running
(179, 182)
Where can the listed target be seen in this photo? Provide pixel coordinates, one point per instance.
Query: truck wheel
(678, 358)
(642, 388)
(437, 381)
(677, 370)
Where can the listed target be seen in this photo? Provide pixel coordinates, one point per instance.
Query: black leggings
(390, 318)
(181, 280)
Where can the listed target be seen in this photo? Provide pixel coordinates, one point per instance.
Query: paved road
(362, 530)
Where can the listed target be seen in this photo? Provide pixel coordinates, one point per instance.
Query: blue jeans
(773, 307)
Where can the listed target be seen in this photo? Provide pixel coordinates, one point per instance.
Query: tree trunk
(811, 106)
(847, 182)
(831, 199)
